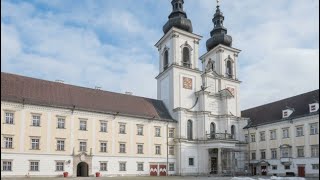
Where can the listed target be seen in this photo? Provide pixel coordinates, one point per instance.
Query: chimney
(59, 81)
(128, 93)
(97, 87)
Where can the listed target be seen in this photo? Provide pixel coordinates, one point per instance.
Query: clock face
(187, 83)
(231, 90)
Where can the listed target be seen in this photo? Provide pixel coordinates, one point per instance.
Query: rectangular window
(35, 143)
(139, 166)
(34, 165)
(299, 131)
(315, 151)
(83, 146)
(103, 126)
(273, 134)
(103, 166)
(171, 150)
(262, 136)
(103, 147)
(6, 165)
(246, 138)
(313, 128)
(263, 154)
(8, 142)
(253, 138)
(285, 133)
(253, 156)
(61, 123)
(315, 166)
(9, 117)
(191, 161)
(171, 133)
(140, 130)
(158, 149)
(274, 167)
(35, 120)
(122, 166)
(83, 125)
(60, 145)
(273, 153)
(285, 152)
(171, 167)
(287, 167)
(140, 148)
(300, 151)
(122, 148)
(59, 166)
(122, 129)
(157, 131)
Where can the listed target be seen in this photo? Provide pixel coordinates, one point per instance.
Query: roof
(21, 89)
(272, 112)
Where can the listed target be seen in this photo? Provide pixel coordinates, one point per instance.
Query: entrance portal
(82, 169)
(214, 165)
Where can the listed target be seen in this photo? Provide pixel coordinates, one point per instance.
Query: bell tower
(179, 75)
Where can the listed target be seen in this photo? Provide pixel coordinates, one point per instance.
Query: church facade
(194, 127)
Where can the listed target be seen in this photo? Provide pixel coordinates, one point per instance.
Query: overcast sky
(110, 43)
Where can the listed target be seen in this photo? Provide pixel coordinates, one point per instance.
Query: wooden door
(153, 170)
(162, 170)
(263, 170)
(301, 171)
(254, 171)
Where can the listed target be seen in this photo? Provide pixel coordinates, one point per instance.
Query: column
(219, 161)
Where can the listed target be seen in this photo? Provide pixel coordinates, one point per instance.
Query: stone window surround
(6, 160)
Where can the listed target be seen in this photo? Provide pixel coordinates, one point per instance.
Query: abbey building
(194, 127)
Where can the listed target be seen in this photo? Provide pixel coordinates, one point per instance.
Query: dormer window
(314, 107)
(286, 113)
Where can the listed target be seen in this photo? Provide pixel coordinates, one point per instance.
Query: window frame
(7, 161)
(171, 133)
(298, 152)
(104, 126)
(83, 125)
(125, 166)
(264, 136)
(140, 130)
(101, 166)
(142, 167)
(157, 149)
(314, 128)
(37, 146)
(274, 154)
(81, 145)
(122, 128)
(8, 144)
(122, 147)
(57, 169)
(157, 132)
(139, 150)
(273, 134)
(192, 161)
(61, 123)
(314, 153)
(171, 150)
(36, 120)
(299, 131)
(33, 164)
(60, 144)
(103, 146)
(171, 167)
(285, 135)
(8, 119)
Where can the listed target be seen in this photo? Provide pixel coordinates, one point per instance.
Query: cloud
(110, 43)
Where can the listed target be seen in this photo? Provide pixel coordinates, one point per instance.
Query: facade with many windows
(285, 143)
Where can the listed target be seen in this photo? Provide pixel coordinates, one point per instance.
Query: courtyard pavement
(154, 178)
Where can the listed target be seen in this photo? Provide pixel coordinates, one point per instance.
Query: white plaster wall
(47, 164)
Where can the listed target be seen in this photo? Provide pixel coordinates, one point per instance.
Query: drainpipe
(167, 150)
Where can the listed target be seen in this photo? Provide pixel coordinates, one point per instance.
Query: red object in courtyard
(97, 174)
(65, 174)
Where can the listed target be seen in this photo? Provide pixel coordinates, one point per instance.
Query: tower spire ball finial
(218, 2)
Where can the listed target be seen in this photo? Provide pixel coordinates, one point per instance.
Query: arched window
(212, 130)
(176, 6)
(233, 131)
(166, 60)
(189, 130)
(186, 57)
(180, 6)
(229, 69)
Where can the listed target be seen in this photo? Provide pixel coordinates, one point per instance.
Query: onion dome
(178, 18)
(219, 32)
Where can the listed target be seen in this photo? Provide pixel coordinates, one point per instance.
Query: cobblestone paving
(141, 178)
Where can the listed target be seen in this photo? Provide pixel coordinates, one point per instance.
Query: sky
(110, 43)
